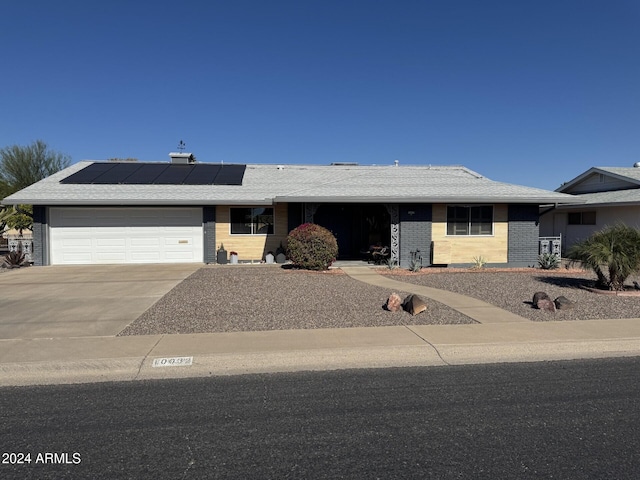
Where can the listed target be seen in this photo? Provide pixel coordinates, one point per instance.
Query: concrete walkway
(481, 312)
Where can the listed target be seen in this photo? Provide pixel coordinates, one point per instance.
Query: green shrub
(312, 247)
(549, 261)
(612, 253)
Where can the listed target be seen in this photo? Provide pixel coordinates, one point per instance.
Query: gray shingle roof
(632, 173)
(615, 197)
(266, 184)
(626, 195)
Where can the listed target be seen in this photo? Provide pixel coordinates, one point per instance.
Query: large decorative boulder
(546, 304)
(563, 303)
(540, 296)
(394, 303)
(543, 301)
(414, 304)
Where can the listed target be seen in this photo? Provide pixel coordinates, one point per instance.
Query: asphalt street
(567, 420)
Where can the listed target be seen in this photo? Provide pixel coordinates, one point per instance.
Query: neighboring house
(128, 212)
(610, 195)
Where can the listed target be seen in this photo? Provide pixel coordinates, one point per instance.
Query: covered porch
(360, 229)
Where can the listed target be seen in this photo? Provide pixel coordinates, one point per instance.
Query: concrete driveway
(81, 301)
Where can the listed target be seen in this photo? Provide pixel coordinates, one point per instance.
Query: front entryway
(356, 227)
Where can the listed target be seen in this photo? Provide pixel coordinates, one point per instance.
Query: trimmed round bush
(312, 247)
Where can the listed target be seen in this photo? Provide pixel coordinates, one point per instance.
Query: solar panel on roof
(174, 175)
(88, 173)
(147, 174)
(230, 175)
(202, 174)
(158, 174)
(118, 174)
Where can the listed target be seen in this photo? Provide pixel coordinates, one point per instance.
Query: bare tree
(21, 166)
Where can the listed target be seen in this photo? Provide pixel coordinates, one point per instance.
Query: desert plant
(612, 253)
(415, 265)
(391, 263)
(13, 259)
(479, 262)
(549, 261)
(312, 247)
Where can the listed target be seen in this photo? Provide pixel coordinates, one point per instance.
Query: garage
(125, 235)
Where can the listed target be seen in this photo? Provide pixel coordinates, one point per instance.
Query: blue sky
(532, 93)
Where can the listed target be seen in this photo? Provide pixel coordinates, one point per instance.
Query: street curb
(323, 359)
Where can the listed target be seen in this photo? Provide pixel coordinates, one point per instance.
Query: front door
(356, 227)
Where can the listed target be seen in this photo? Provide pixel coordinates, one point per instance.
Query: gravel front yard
(513, 291)
(260, 297)
(252, 298)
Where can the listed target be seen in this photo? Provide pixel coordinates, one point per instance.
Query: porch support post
(394, 214)
(309, 211)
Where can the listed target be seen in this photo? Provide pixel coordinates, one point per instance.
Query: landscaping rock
(540, 296)
(414, 304)
(563, 303)
(546, 304)
(394, 303)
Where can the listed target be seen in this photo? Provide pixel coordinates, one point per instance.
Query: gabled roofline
(564, 187)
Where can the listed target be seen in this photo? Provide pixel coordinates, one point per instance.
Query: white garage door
(125, 235)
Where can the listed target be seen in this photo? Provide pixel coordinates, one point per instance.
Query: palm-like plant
(612, 253)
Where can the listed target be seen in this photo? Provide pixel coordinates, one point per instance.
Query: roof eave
(134, 202)
(601, 204)
(447, 199)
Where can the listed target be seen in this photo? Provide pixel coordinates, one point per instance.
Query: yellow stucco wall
(463, 249)
(251, 247)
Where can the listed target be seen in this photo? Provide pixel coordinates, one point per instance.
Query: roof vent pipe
(396, 163)
(636, 165)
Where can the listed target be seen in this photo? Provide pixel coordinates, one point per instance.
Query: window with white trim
(470, 220)
(251, 221)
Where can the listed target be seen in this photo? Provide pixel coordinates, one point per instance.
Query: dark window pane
(263, 220)
(457, 220)
(574, 218)
(240, 220)
(481, 220)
